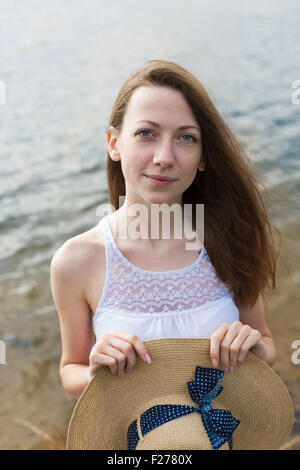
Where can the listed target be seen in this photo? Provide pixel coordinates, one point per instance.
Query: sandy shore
(33, 401)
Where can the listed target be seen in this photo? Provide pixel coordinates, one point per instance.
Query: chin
(162, 200)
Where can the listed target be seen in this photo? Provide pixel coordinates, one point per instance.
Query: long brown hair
(238, 231)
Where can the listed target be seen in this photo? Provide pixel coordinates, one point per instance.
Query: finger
(236, 345)
(136, 343)
(215, 341)
(225, 346)
(99, 360)
(120, 359)
(251, 341)
(112, 347)
(128, 350)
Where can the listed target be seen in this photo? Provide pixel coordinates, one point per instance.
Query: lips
(160, 178)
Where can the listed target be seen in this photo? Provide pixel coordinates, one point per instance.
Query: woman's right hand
(117, 351)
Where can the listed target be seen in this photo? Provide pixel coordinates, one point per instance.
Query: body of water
(63, 63)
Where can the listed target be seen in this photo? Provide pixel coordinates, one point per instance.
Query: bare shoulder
(76, 265)
(79, 259)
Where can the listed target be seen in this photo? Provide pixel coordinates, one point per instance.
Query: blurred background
(62, 64)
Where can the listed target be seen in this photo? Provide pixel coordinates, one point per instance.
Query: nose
(164, 153)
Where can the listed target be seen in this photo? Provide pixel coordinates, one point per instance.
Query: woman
(113, 293)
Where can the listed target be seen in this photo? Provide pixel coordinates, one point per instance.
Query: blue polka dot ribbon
(218, 424)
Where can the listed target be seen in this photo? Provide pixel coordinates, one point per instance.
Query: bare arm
(77, 337)
(255, 317)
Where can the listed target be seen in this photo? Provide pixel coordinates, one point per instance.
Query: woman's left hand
(230, 343)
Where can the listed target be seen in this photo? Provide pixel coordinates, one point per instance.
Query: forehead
(160, 104)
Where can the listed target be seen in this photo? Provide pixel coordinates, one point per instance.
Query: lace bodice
(131, 289)
(187, 302)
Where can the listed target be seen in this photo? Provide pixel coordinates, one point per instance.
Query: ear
(201, 166)
(112, 143)
(202, 163)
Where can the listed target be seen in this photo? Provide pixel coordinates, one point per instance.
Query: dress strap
(103, 224)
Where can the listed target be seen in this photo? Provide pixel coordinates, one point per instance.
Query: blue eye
(144, 130)
(191, 138)
(145, 133)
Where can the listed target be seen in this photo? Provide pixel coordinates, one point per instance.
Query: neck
(147, 226)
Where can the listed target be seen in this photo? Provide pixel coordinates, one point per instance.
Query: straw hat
(180, 401)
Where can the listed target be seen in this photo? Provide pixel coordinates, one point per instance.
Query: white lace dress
(188, 302)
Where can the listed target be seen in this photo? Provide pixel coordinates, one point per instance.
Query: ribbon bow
(218, 424)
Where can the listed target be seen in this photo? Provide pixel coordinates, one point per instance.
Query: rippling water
(63, 63)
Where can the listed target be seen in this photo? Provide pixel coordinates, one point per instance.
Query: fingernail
(231, 368)
(214, 362)
(147, 357)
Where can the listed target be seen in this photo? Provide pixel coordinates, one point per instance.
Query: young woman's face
(159, 137)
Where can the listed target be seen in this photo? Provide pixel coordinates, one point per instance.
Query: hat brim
(253, 393)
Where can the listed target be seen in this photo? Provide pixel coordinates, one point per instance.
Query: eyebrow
(179, 128)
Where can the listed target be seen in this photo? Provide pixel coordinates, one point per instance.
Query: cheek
(190, 172)
(134, 159)
(131, 164)
(190, 166)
